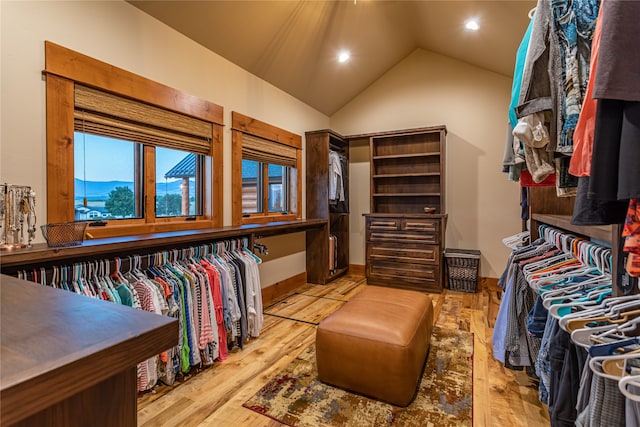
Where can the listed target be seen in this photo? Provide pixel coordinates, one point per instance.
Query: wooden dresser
(405, 250)
(404, 244)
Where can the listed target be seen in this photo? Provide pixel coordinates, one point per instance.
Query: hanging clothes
(214, 291)
(579, 322)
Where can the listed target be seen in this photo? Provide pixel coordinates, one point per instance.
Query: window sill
(262, 219)
(114, 229)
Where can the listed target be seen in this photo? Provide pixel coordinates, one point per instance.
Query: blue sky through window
(111, 159)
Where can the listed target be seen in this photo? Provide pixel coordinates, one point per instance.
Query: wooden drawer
(420, 224)
(391, 272)
(399, 252)
(403, 237)
(384, 224)
(403, 230)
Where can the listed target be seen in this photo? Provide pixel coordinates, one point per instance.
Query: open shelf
(405, 175)
(599, 232)
(405, 194)
(401, 156)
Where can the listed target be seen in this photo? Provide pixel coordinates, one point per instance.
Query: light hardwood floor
(214, 396)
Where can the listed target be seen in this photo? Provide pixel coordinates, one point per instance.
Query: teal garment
(125, 294)
(521, 56)
(112, 291)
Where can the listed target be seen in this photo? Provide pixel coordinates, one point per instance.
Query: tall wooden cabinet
(403, 243)
(332, 242)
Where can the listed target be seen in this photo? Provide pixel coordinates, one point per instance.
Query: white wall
(119, 34)
(427, 89)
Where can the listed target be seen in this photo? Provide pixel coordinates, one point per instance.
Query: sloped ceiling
(294, 44)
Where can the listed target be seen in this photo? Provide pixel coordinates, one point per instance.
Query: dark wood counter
(41, 254)
(70, 360)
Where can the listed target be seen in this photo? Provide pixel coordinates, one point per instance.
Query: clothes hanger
(596, 365)
(592, 299)
(582, 337)
(600, 314)
(622, 367)
(517, 240)
(630, 325)
(634, 382)
(619, 345)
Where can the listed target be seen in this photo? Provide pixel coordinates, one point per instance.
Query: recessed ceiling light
(344, 56)
(472, 24)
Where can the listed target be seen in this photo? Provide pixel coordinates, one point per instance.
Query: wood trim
(214, 202)
(443, 168)
(357, 270)
(236, 177)
(150, 184)
(264, 130)
(397, 132)
(298, 212)
(244, 124)
(274, 292)
(262, 219)
(64, 68)
(60, 191)
(92, 72)
(265, 191)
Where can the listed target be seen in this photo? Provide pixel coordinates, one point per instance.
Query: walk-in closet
(240, 213)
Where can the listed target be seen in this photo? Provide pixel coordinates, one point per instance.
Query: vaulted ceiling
(294, 44)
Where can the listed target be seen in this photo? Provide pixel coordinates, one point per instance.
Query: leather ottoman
(376, 344)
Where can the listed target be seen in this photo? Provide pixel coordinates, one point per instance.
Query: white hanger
(618, 362)
(627, 326)
(603, 310)
(582, 337)
(591, 300)
(633, 380)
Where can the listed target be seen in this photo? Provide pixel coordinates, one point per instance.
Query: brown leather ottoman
(376, 344)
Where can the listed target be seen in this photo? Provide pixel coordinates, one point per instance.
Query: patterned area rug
(297, 398)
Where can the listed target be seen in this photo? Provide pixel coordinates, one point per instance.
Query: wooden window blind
(266, 151)
(110, 115)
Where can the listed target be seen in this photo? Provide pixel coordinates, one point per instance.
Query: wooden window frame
(242, 124)
(63, 69)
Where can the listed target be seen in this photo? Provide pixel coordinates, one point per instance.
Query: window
(109, 189)
(268, 187)
(178, 183)
(251, 187)
(134, 153)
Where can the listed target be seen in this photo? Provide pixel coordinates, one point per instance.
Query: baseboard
(489, 283)
(273, 292)
(356, 269)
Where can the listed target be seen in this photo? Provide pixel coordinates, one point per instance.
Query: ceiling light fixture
(472, 24)
(343, 56)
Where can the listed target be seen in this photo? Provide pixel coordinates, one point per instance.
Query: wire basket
(462, 265)
(64, 234)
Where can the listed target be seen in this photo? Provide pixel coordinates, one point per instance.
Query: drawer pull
(384, 225)
(420, 226)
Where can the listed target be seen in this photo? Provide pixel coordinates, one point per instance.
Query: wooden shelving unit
(318, 145)
(546, 208)
(404, 245)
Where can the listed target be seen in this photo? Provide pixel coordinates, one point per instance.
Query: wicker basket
(64, 234)
(462, 267)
